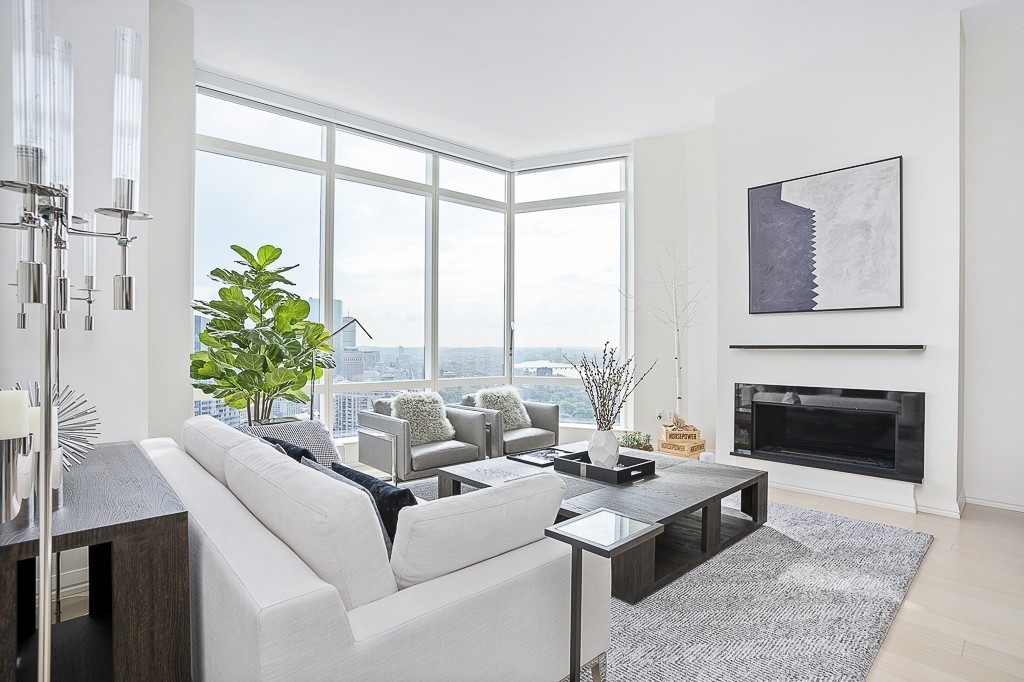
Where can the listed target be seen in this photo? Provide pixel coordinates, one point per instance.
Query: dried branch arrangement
(608, 382)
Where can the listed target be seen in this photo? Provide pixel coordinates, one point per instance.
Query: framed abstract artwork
(830, 241)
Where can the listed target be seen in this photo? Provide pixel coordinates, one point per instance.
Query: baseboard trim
(995, 504)
(910, 509)
(940, 511)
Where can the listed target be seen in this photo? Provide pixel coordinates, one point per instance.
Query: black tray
(628, 469)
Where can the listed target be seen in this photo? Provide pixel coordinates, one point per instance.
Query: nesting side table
(605, 533)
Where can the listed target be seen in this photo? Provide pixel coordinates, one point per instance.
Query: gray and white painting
(827, 242)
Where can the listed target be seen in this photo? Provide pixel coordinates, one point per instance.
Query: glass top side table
(605, 533)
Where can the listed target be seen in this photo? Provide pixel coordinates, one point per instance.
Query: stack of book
(684, 441)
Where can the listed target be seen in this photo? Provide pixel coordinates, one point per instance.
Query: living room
(790, 221)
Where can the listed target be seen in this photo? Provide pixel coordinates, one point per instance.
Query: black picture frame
(750, 244)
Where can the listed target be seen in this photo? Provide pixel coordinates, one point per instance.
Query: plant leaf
(244, 253)
(268, 254)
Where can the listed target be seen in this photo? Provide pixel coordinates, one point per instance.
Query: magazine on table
(544, 457)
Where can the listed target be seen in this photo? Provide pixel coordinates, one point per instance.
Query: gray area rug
(809, 596)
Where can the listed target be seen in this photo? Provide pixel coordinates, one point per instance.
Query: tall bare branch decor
(678, 307)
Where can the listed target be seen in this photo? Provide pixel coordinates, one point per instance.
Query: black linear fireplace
(871, 432)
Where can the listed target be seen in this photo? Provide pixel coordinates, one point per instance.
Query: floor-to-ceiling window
(568, 278)
(458, 286)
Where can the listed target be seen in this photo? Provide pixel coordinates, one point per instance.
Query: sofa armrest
(251, 595)
(544, 416)
(470, 427)
(474, 607)
(376, 451)
(451, 533)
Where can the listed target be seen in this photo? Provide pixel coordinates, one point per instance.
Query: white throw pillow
(443, 536)
(507, 401)
(426, 415)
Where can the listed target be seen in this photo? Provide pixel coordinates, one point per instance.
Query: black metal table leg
(576, 625)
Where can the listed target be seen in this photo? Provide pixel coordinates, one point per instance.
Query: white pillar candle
(35, 418)
(13, 414)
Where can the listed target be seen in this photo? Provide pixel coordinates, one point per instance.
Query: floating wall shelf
(890, 346)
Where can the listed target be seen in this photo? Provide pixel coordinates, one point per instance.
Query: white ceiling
(531, 77)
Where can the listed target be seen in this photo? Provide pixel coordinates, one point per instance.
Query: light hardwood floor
(963, 618)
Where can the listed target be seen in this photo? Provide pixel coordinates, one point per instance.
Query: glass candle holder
(31, 91)
(127, 117)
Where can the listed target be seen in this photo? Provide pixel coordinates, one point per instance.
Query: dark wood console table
(119, 506)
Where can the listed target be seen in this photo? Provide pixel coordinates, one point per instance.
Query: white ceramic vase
(604, 449)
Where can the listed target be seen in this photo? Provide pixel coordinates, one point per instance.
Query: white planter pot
(604, 449)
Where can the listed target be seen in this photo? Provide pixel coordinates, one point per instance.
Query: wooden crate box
(686, 448)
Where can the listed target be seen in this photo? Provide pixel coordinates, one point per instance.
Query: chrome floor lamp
(44, 165)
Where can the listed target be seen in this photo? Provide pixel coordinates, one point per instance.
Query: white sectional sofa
(291, 578)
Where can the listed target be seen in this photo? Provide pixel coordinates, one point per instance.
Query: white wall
(994, 364)
(172, 164)
(896, 96)
(659, 221)
(702, 240)
(109, 364)
(674, 204)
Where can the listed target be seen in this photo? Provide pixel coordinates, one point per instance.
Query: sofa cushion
(439, 537)
(382, 406)
(521, 440)
(306, 433)
(507, 401)
(331, 527)
(425, 412)
(209, 440)
(388, 499)
(433, 455)
(334, 475)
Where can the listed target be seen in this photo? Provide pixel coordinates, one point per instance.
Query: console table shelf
(118, 505)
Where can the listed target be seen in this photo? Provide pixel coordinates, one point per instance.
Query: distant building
(199, 323)
(314, 314)
(350, 366)
(544, 368)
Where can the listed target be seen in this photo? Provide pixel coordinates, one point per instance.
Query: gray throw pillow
(382, 406)
(306, 433)
(426, 415)
(506, 400)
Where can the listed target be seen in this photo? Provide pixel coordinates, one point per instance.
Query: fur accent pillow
(506, 400)
(426, 415)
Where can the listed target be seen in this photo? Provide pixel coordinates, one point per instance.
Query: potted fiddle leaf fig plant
(260, 348)
(608, 381)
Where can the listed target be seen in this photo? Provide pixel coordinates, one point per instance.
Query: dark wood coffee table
(685, 498)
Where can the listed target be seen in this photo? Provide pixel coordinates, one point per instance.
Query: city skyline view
(365, 363)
